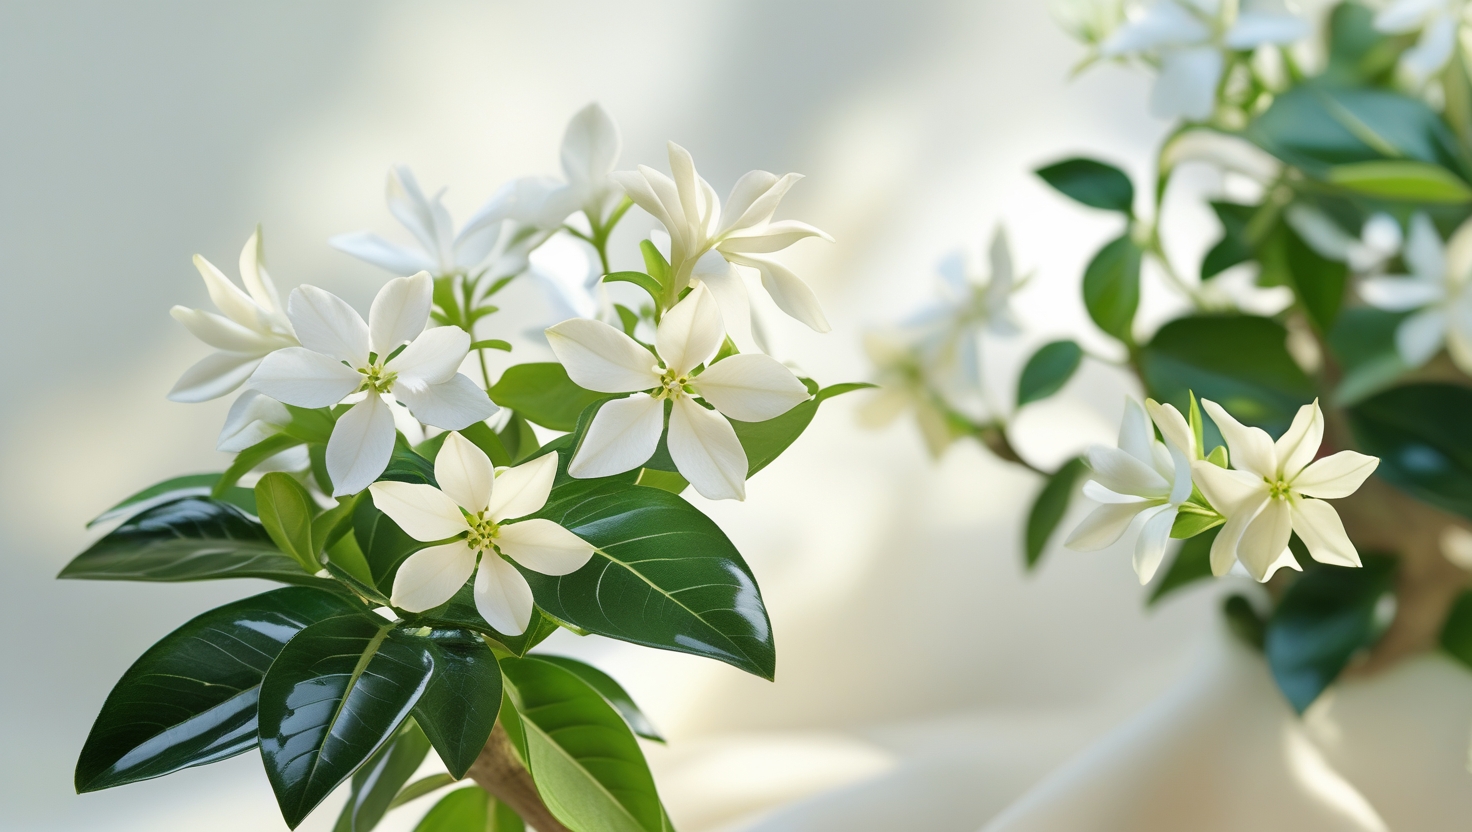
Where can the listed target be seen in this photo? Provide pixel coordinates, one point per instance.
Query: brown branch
(501, 774)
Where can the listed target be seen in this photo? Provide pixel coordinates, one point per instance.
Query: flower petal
(1318, 524)
(1173, 426)
(502, 596)
(222, 333)
(754, 198)
(690, 332)
(257, 281)
(724, 281)
(228, 298)
(1123, 474)
(424, 512)
(1224, 488)
(1399, 294)
(1420, 336)
(464, 473)
(432, 576)
(1251, 448)
(1099, 494)
(454, 405)
(360, 446)
(433, 358)
(1265, 538)
(590, 147)
(324, 322)
(1150, 545)
(687, 185)
(253, 416)
(1103, 526)
(1186, 85)
(706, 451)
(543, 546)
(640, 189)
(406, 201)
(787, 290)
(1299, 445)
(371, 248)
(522, 490)
(750, 387)
(623, 436)
(305, 378)
(213, 376)
(400, 312)
(1425, 253)
(1136, 436)
(1335, 476)
(600, 358)
(771, 237)
(1224, 548)
(1254, 29)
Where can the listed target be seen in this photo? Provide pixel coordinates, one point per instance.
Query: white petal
(360, 446)
(454, 405)
(1173, 426)
(690, 332)
(324, 322)
(1299, 445)
(687, 185)
(1103, 526)
(1162, 24)
(1150, 546)
(754, 199)
(257, 281)
(1099, 494)
(750, 387)
(464, 472)
(724, 281)
(252, 417)
(1321, 234)
(1255, 29)
(1318, 524)
(543, 546)
(305, 378)
(1335, 476)
(1136, 436)
(1432, 50)
(433, 357)
(788, 291)
(522, 490)
(624, 434)
(1421, 336)
(706, 451)
(432, 576)
(1251, 449)
(502, 595)
(1186, 86)
(371, 248)
(1401, 16)
(400, 312)
(228, 297)
(639, 189)
(406, 201)
(1399, 294)
(590, 147)
(771, 237)
(1224, 548)
(222, 333)
(1123, 474)
(1265, 538)
(1226, 489)
(599, 357)
(424, 512)
(213, 376)
(1425, 253)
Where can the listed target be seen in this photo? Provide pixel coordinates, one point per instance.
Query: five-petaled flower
(1438, 22)
(253, 326)
(391, 355)
(1436, 291)
(1277, 489)
(625, 432)
(475, 505)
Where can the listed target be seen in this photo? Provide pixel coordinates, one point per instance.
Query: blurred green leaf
(1456, 633)
(1091, 182)
(1317, 281)
(1112, 287)
(1050, 506)
(1048, 370)
(470, 810)
(1234, 247)
(421, 787)
(1405, 181)
(1420, 433)
(1363, 343)
(765, 441)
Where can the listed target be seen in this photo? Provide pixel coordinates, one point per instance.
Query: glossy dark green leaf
(664, 575)
(1192, 563)
(383, 543)
(333, 524)
(1325, 617)
(378, 782)
(611, 691)
(1363, 343)
(1050, 506)
(1048, 370)
(1317, 281)
(189, 539)
(544, 394)
(286, 511)
(1243, 621)
(1420, 433)
(191, 698)
(248, 459)
(1234, 247)
(1189, 524)
(404, 465)
(460, 613)
(192, 485)
(338, 691)
(518, 438)
(1456, 633)
(1238, 361)
(459, 707)
(470, 810)
(1112, 287)
(367, 591)
(1091, 182)
(586, 763)
(765, 441)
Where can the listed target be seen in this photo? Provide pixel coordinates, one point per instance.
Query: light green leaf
(1112, 287)
(611, 691)
(543, 394)
(1408, 181)
(286, 511)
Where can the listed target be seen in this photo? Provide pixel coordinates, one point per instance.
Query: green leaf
(1363, 342)
(1243, 621)
(1456, 633)
(1317, 281)
(654, 263)
(188, 539)
(470, 810)
(338, 691)
(286, 511)
(406, 466)
(459, 707)
(1048, 370)
(611, 691)
(544, 394)
(765, 441)
(518, 438)
(333, 524)
(1234, 247)
(1238, 361)
(640, 279)
(1358, 54)
(587, 765)
(377, 783)
(383, 543)
(192, 485)
(1189, 524)
(670, 481)
(663, 575)
(1406, 181)
(1093, 183)
(313, 426)
(1112, 287)
(492, 344)
(1419, 431)
(1192, 563)
(1325, 617)
(248, 459)
(421, 787)
(190, 699)
(460, 613)
(481, 435)
(1050, 506)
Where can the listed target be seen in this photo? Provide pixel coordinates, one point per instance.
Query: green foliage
(421, 787)
(1419, 431)
(1050, 506)
(470, 810)
(1402, 180)
(1326, 616)
(611, 691)
(1048, 370)
(518, 438)
(1318, 282)
(192, 485)
(765, 441)
(1091, 182)
(377, 783)
(1456, 633)
(543, 394)
(1243, 621)
(460, 612)
(383, 543)
(1234, 246)
(286, 511)
(1112, 287)
(458, 709)
(1192, 563)
(1363, 342)
(1358, 54)
(640, 279)
(248, 459)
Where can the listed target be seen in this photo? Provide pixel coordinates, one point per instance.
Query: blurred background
(911, 642)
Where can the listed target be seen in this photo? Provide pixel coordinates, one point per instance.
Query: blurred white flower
(391, 355)
(707, 241)
(473, 504)
(1436, 289)
(1437, 21)
(1224, 150)
(252, 326)
(1276, 489)
(1143, 477)
(1091, 21)
(625, 432)
(1379, 240)
(904, 384)
(1187, 40)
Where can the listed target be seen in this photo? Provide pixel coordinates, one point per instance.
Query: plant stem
(498, 771)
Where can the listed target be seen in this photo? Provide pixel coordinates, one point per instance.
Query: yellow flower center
(377, 379)
(671, 386)
(483, 533)
(1277, 489)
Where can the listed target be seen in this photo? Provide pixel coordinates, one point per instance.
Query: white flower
(1144, 478)
(1437, 288)
(625, 433)
(1091, 21)
(473, 505)
(904, 384)
(252, 418)
(1270, 493)
(1379, 241)
(707, 241)
(1437, 20)
(1224, 150)
(391, 355)
(1187, 39)
(251, 327)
